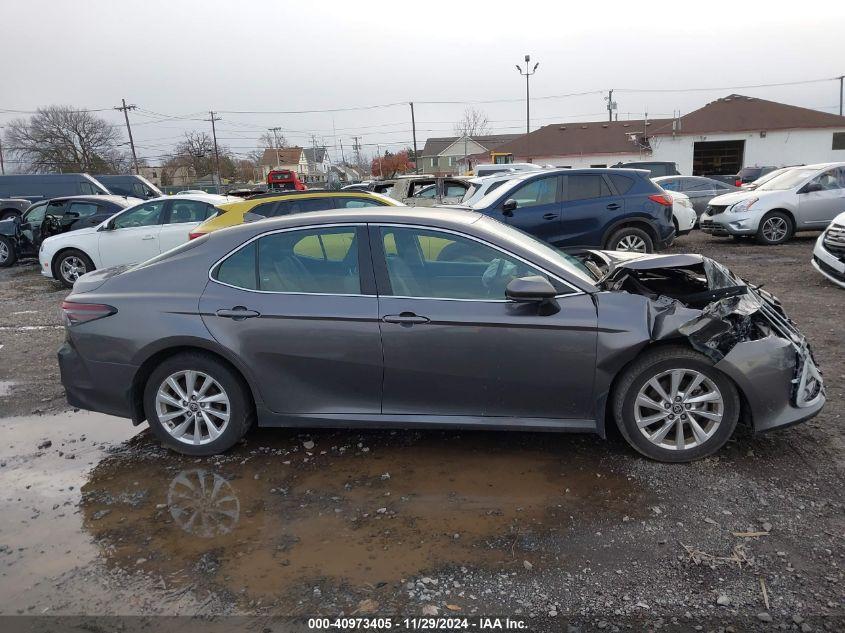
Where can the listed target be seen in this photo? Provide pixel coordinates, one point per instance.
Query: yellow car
(283, 203)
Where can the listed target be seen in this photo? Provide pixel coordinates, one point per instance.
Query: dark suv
(613, 209)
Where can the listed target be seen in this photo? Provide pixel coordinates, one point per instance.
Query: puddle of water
(265, 523)
(41, 533)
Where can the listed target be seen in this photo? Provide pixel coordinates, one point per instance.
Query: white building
(719, 138)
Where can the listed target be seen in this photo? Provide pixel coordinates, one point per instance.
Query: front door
(818, 208)
(537, 208)
(132, 236)
(32, 225)
(299, 309)
(453, 345)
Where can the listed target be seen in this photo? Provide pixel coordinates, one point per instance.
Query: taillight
(194, 235)
(75, 313)
(661, 199)
(738, 182)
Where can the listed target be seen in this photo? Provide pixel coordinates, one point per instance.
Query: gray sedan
(699, 189)
(437, 318)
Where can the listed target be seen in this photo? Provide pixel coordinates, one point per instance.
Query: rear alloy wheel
(197, 405)
(8, 256)
(631, 239)
(71, 265)
(775, 228)
(673, 406)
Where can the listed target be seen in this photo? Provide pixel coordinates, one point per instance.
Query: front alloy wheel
(679, 409)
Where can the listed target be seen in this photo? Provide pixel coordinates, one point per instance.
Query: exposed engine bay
(694, 297)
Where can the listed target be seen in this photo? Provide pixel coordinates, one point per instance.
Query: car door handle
(613, 206)
(405, 318)
(148, 237)
(550, 216)
(238, 313)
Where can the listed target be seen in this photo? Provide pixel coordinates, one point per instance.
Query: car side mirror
(534, 289)
(811, 187)
(509, 205)
(108, 226)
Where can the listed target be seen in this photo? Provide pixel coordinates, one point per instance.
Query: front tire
(631, 239)
(775, 228)
(672, 405)
(8, 255)
(71, 265)
(197, 405)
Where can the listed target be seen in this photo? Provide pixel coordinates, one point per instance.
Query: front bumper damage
(741, 327)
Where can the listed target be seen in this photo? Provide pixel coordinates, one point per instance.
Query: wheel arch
(54, 260)
(634, 222)
(139, 381)
(785, 211)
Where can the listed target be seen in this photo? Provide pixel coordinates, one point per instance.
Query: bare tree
(268, 140)
(473, 123)
(195, 153)
(61, 138)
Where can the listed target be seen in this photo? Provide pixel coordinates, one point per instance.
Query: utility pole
(275, 131)
(342, 155)
(357, 149)
(611, 105)
(414, 132)
(216, 154)
(528, 72)
(2, 166)
(841, 79)
(125, 109)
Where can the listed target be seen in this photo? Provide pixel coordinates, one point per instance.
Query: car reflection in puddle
(203, 503)
(270, 520)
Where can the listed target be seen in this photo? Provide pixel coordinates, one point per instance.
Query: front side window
(36, 214)
(586, 187)
(537, 192)
(828, 180)
(313, 261)
(88, 189)
(433, 264)
(148, 214)
(82, 209)
(184, 211)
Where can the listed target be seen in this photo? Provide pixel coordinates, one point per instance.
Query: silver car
(436, 318)
(801, 199)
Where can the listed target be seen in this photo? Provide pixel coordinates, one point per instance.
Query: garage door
(717, 157)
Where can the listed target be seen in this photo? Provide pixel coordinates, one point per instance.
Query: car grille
(712, 227)
(834, 240)
(829, 270)
(716, 209)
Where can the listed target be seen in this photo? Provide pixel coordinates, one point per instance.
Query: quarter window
(83, 209)
(433, 264)
(316, 261)
(148, 214)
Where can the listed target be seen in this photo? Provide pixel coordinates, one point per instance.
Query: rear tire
(702, 408)
(775, 228)
(71, 265)
(8, 255)
(631, 239)
(197, 405)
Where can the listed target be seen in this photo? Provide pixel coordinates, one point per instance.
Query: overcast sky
(181, 58)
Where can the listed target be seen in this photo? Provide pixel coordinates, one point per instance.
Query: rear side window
(586, 187)
(623, 184)
(268, 209)
(88, 189)
(184, 211)
(313, 261)
(84, 209)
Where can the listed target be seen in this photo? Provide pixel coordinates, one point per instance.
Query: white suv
(801, 199)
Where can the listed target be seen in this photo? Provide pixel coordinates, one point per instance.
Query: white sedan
(134, 235)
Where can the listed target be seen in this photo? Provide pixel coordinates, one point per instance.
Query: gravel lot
(99, 519)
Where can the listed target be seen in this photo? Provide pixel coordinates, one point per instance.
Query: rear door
(182, 217)
(589, 205)
(299, 309)
(538, 204)
(133, 235)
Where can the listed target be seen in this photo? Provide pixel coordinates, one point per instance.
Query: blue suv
(613, 209)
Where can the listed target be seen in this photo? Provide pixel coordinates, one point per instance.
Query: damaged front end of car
(742, 328)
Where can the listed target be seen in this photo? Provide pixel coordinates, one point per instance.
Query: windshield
(571, 264)
(788, 180)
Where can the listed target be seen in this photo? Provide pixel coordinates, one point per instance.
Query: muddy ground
(98, 519)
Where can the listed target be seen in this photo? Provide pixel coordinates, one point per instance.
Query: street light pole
(527, 73)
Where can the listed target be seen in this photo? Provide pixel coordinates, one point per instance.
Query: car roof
(210, 198)
(304, 195)
(124, 201)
